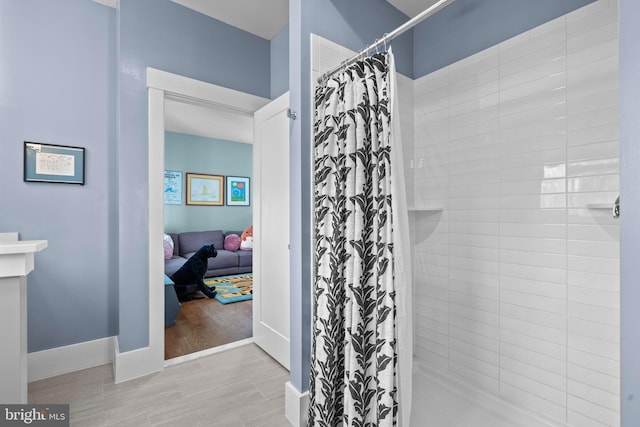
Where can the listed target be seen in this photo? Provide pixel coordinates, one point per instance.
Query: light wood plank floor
(242, 387)
(207, 323)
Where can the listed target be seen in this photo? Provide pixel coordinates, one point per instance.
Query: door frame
(160, 85)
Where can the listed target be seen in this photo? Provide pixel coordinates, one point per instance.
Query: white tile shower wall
(517, 279)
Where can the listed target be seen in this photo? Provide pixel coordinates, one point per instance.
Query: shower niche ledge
(425, 208)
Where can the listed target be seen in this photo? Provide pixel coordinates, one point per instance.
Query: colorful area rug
(232, 288)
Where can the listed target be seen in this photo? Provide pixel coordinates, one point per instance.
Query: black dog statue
(192, 272)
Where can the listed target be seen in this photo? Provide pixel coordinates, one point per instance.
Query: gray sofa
(226, 263)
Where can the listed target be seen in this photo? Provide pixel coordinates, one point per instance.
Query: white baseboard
(296, 405)
(70, 358)
(134, 364)
(110, 3)
(207, 352)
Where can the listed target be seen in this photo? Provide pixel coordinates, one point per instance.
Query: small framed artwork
(237, 191)
(53, 163)
(172, 187)
(205, 190)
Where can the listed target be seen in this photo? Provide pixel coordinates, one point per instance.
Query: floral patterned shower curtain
(354, 354)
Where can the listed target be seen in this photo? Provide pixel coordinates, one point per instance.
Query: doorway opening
(164, 87)
(204, 141)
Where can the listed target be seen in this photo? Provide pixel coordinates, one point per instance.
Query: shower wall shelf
(425, 209)
(614, 207)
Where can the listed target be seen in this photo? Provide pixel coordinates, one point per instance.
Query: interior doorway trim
(160, 85)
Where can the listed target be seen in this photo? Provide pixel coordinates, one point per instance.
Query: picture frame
(62, 164)
(238, 191)
(205, 189)
(172, 187)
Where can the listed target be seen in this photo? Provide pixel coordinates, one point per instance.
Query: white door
(271, 229)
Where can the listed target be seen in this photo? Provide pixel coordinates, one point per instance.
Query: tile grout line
(566, 249)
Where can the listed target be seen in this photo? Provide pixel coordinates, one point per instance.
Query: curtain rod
(441, 4)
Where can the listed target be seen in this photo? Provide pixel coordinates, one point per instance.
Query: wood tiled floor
(242, 387)
(206, 323)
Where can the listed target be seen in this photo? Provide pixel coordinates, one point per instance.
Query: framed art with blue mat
(232, 288)
(237, 191)
(53, 163)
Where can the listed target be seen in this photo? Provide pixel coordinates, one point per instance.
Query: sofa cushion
(176, 243)
(223, 260)
(222, 272)
(246, 258)
(191, 241)
(172, 265)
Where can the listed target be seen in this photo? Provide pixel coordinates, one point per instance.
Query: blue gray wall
(280, 63)
(57, 85)
(190, 153)
(466, 27)
(164, 35)
(73, 73)
(629, 11)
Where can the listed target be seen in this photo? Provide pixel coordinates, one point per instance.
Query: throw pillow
(246, 243)
(232, 242)
(168, 247)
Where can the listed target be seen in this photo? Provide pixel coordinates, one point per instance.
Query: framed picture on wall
(237, 191)
(53, 163)
(205, 190)
(172, 187)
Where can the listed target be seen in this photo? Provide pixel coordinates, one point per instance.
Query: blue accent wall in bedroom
(466, 27)
(164, 35)
(197, 154)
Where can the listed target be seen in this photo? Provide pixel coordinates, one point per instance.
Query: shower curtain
(361, 337)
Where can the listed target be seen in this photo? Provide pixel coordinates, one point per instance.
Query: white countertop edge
(22, 246)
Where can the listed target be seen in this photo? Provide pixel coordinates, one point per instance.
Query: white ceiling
(264, 18)
(208, 121)
(412, 8)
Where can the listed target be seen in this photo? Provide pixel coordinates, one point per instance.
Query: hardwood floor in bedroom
(206, 323)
